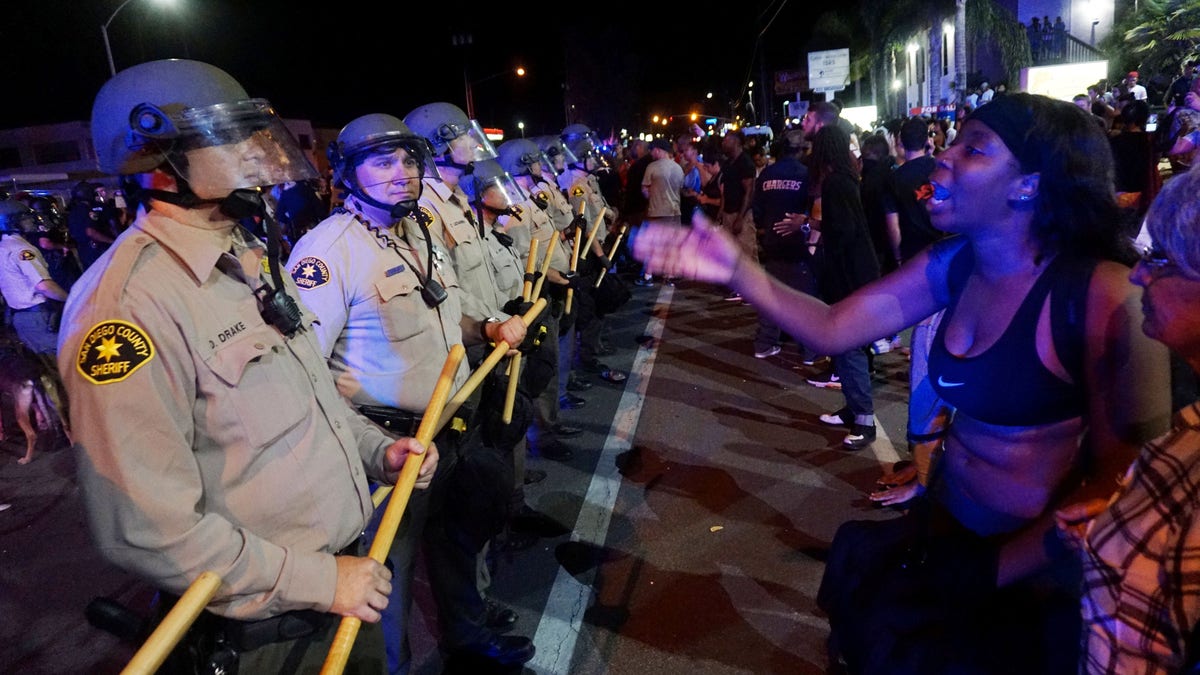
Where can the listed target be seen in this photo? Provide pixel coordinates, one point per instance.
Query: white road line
(569, 597)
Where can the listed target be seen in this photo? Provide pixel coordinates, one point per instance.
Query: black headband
(1011, 121)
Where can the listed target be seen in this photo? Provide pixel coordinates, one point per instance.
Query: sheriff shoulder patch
(541, 194)
(26, 254)
(310, 273)
(112, 351)
(424, 216)
(577, 191)
(518, 211)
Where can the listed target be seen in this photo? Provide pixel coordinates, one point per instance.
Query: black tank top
(1008, 384)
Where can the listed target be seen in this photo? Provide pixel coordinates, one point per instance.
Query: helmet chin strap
(275, 305)
(448, 161)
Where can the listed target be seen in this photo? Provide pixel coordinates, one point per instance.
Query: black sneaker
(860, 436)
(500, 618)
(569, 401)
(578, 384)
(554, 450)
(506, 650)
(826, 380)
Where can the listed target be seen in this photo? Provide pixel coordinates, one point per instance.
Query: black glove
(574, 281)
(580, 222)
(605, 263)
(517, 307)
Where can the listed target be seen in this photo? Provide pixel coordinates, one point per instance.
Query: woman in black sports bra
(1041, 419)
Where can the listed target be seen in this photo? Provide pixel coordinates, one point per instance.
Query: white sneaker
(881, 346)
(769, 351)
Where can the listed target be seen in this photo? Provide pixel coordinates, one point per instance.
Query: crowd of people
(1043, 269)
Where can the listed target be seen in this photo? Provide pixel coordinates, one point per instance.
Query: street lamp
(518, 71)
(112, 68)
(521, 126)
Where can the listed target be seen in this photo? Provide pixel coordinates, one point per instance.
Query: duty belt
(405, 423)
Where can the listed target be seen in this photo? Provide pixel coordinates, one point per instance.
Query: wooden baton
(168, 633)
(611, 253)
(343, 641)
(514, 364)
(574, 267)
(587, 246)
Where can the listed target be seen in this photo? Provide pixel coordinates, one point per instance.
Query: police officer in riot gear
(390, 305)
(213, 436)
(549, 218)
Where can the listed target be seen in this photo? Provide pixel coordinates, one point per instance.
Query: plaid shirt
(1141, 594)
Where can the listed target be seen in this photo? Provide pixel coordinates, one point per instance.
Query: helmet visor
(226, 147)
(468, 144)
(498, 192)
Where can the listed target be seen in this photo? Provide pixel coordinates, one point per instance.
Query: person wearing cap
(1052, 388)
(1132, 86)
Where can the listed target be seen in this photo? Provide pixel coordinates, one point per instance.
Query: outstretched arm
(882, 308)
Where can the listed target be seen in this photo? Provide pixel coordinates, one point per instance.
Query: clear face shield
(230, 146)
(558, 158)
(469, 144)
(498, 193)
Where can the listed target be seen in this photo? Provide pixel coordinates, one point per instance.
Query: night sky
(620, 65)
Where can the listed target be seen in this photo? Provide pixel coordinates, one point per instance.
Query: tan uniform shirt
(386, 346)
(209, 441)
(22, 268)
(558, 206)
(455, 227)
(541, 228)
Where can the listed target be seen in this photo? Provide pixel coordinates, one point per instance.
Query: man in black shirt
(909, 229)
(780, 189)
(737, 183)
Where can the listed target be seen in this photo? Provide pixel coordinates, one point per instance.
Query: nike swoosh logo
(943, 383)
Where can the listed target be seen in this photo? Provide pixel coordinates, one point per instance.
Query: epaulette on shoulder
(123, 258)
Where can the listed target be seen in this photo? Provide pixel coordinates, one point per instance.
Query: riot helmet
(394, 160)
(17, 218)
(457, 141)
(556, 156)
(84, 191)
(520, 157)
(491, 188)
(197, 120)
(581, 141)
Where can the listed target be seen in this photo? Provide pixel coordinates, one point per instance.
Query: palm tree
(1155, 39)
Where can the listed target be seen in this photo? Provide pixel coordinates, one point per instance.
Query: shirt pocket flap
(229, 361)
(390, 287)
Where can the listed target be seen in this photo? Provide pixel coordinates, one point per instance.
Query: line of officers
(233, 412)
